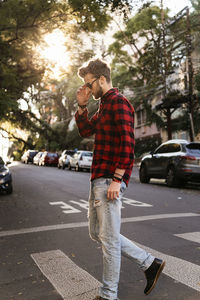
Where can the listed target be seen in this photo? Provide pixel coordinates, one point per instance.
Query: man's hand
(83, 94)
(113, 190)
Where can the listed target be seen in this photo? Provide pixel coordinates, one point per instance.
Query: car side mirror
(152, 152)
(8, 163)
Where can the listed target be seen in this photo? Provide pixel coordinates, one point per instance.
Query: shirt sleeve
(86, 127)
(124, 120)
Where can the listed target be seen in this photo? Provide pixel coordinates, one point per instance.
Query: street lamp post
(190, 72)
(190, 76)
(164, 60)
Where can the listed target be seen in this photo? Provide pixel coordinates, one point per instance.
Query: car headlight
(4, 173)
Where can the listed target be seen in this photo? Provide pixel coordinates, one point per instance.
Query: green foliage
(146, 145)
(22, 26)
(138, 65)
(197, 81)
(141, 66)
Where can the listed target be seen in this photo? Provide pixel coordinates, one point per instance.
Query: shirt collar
(106, 96)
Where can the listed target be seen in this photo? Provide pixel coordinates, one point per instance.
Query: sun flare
(55, 53)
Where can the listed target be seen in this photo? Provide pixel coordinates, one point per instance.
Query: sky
(175, 5)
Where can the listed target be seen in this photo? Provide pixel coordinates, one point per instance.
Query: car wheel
(144, 178)
(9, 189)
(77, 168)
(171, 179)
(183, 183)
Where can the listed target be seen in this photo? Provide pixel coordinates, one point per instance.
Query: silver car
(63, 160)
(36, 158)
(81, 160)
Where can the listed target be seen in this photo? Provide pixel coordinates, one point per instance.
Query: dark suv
(28, 156)
(178, 161)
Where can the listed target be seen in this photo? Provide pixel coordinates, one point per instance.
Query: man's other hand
(113, 190)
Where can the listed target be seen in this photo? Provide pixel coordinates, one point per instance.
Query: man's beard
(98, 94)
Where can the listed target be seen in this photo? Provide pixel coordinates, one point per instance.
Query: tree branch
(12, 136)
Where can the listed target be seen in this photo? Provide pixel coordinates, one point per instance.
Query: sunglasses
(89, 85)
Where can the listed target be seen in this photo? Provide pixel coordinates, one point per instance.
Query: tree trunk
(169, 127)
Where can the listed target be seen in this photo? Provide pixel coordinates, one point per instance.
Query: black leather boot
(152, 274)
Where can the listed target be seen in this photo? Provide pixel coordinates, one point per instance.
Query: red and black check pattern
(113, 126)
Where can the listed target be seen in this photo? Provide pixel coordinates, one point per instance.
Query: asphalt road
(46, 217)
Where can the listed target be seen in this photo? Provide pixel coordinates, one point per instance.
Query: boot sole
(156, 278)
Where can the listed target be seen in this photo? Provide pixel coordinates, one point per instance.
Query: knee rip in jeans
(97, 203)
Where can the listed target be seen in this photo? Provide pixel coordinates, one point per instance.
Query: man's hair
(97, 68)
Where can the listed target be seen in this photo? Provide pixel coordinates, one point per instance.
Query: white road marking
(157, 217)
(190, 236)
(67, 209)
(135, 203)
(82, 203)
(85, 224)
(70, 281)
(181, 270)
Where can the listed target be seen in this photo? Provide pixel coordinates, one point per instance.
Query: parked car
(63, 160)
(28, 156)
(5, 178)
(49, 159)
(37, 157)
(81, 160)
(177, 161)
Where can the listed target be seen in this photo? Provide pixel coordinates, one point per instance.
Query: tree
(22, 25)
(146, 54)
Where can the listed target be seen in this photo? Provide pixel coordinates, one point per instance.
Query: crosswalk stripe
(190, 236)
(70, 281)
(85, 224)
(74, 283)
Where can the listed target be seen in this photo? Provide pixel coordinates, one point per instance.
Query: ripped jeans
(104, 227)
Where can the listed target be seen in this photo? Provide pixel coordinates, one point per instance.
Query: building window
(141, 117)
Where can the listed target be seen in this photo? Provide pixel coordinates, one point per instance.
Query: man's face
(93, 84)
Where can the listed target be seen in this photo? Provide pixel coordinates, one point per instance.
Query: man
(113, 126)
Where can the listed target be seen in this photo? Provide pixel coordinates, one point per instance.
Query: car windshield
(52, 154)
(87, 154)
(1, 161)
(70, 152)
(32, 153)
(194, 148)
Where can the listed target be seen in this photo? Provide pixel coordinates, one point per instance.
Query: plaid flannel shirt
(113, 126)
